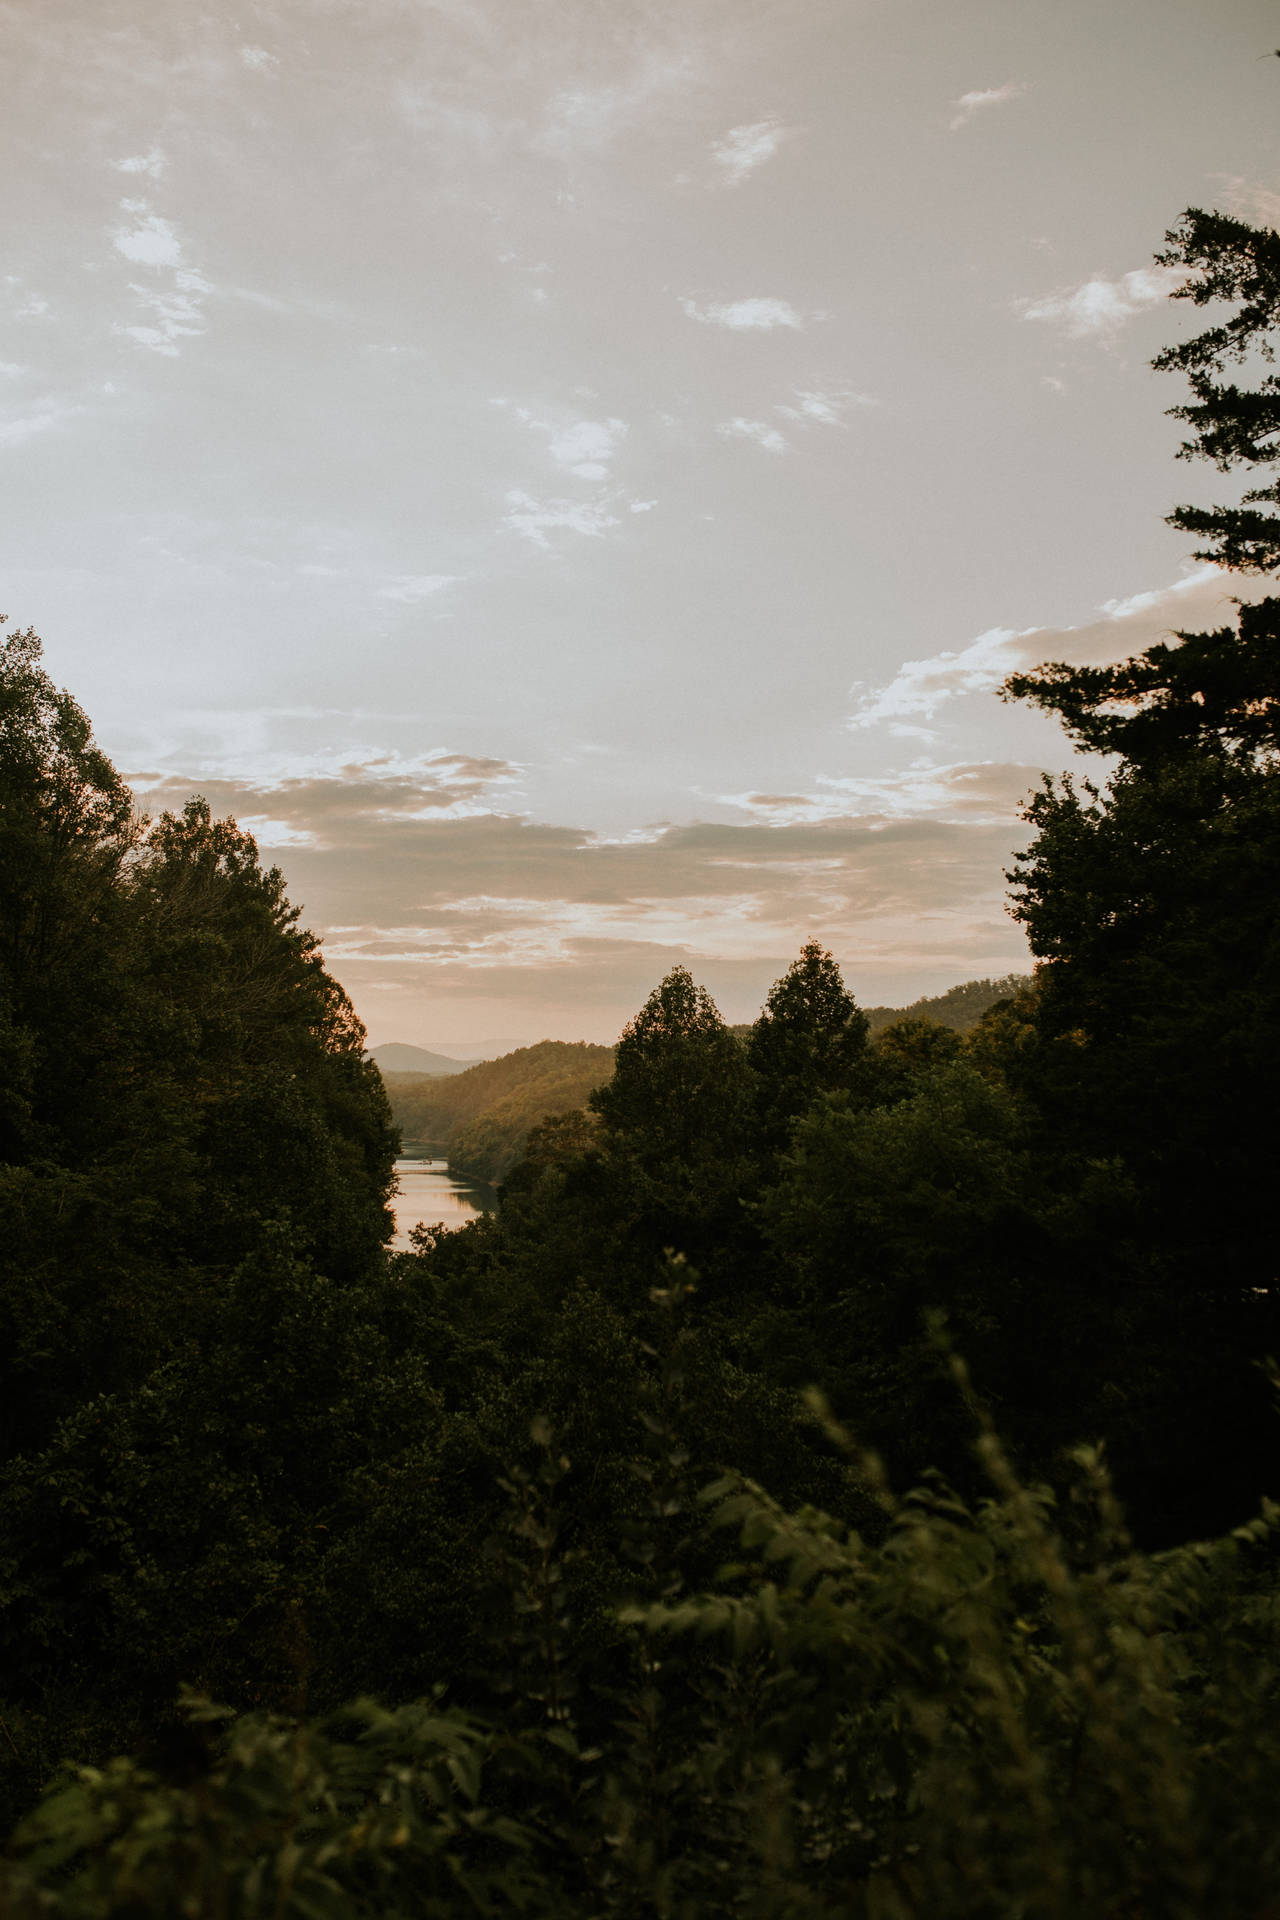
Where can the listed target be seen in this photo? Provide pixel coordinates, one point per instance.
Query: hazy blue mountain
(397, 1056)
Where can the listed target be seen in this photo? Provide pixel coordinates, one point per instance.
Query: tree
(678, 1092)
(1153, 904)
(1210, 692)
(179, 1069)
(808, 1040)
(67, 829)
(1216, 691)
(1231, 425)
(261, 1048)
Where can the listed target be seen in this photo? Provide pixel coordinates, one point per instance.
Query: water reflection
(426, 1192)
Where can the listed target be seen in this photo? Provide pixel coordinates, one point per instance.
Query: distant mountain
(396, 1056)
(471, 1051)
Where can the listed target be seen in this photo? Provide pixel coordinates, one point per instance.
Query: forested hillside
(480, 1119)
(959, 1007)
(838, 1481)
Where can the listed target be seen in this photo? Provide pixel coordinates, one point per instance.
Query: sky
(570, 476)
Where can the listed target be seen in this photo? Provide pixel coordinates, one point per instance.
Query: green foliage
(971, 1715)
(971, 1718)
(369, 1812)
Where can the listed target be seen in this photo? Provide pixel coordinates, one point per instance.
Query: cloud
(642, 506)
(415, 849)
(431, 892)
(1249, 201)
(19, 428)
(906, 705)
(814, 408)
(758, 430)
(920, 687)
(587, 118)
(534, 519)
(970, 103)
(411, 587)
(257, 59)
(150, 241)
(745, 148)
(33, 307)
(1098, 308)
(757, 315)
(359, 791)
(582, 447)
(587, 447)
(153, 163)
(174, 311)
(977, 792)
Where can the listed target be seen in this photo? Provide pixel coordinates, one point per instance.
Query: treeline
(569, 1564)
(481, 1118)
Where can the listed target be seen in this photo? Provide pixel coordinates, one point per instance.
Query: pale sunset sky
(570, 477)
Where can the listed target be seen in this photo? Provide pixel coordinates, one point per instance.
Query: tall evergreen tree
(1154, 906)
(1233, 426)
(808, 1040)
(678, 1093)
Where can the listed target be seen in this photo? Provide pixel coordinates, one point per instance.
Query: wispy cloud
(1248, 200)
(1099, 308)
(150, 241)
(417, 864)
(582, 447)
(25, 304)
(176, 313)
(257, 59)
(756, 315)
(823, 409)
(413, 587)
(174, 309)
(344, 797)
(982, 97)
(19, 428)
(757, 430)
(908, 704)
(152, 163)
(980, 792)
(536, 520)
(587, 446)
(745, 148)
(587, 118)
(920, 687)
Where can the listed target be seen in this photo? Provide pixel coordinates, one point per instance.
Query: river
(426, 1192)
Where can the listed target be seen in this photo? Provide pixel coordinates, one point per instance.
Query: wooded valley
(838, 1479)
